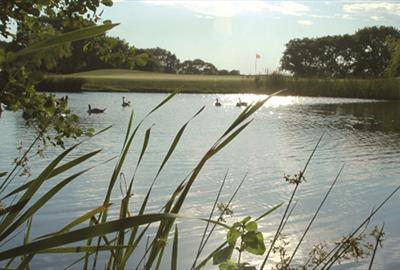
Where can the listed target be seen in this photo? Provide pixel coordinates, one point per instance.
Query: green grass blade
(160, 257)
(131, 247)
(210, 217)
(164, 101)
(79, 220)
(82, 234)
(75, 35)
(144, 147)
(209, 257)
(174, 259)
(128, 131)
(164, 231)
(80, 249)
(29, 193)
(230, 137)
(67, 166)
(40, 203)
(270, 211)
(24, 265)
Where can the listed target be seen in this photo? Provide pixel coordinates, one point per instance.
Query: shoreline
(128, 81)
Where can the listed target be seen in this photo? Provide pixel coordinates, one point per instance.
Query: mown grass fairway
(129, 80)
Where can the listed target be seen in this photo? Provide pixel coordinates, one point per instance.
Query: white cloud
(376, 18)
(305, 22)
(228, 8)
(381, 7)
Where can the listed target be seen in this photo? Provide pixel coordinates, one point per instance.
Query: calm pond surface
(363, 135)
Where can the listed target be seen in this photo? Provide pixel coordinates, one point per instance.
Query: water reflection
(365, 135)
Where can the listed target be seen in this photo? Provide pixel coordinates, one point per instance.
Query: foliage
(364, 54)
(378, 88)
(37, 42)
(393, 68)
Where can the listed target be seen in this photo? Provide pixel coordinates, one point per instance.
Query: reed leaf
(209, 257)
(65, 167)
(174, 259)
(29, 193)
(41, 202)
(75, 35)
(88, 215)
(82, 234)
(270, 211)
(80, 249)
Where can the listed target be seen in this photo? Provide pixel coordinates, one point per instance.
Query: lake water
(362, 135)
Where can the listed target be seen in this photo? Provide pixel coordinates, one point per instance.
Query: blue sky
(230, 33)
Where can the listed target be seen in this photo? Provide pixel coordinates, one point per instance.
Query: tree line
(369, 52)
(105, 52)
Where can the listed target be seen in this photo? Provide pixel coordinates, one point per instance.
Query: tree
(34, 22)
(197, 66)
(363, 54)
(393, 68)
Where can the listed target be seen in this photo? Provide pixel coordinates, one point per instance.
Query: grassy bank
(385, 88)
(137, 81)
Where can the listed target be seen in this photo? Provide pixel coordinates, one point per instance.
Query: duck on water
(125, 103)
(95, 110)
(241, 103)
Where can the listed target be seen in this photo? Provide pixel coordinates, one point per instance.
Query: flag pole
(255, 66)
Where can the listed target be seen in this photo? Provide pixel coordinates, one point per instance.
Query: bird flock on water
(126, 103)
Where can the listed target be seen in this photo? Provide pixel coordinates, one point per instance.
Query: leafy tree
(363, 54)
(198, 66)
(373, 54)
(393, 68)
(34, 21)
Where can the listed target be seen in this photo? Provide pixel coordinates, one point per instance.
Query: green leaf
(269, 212)
(107, 3)
(228, 265)
(232, 235)
(204, 262)
(79, 220)
(76, 35)
(56, 171)
(142, 59)
(82, 234)
(33, 188)
(80, 249)
(254, 243)
(246, 219)
(174, 260)
(223, 255)
(251, 226)
(40, 203)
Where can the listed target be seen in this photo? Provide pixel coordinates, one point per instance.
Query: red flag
(258, 56)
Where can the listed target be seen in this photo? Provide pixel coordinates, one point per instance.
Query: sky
(230, 33)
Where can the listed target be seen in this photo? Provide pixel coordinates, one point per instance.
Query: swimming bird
(95, 110)
(241, 103)
(217, 103)
(125, 103)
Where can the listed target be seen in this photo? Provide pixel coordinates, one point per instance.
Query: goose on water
(241, 103)
(95, 110)
(217, 103)
(125, 103)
